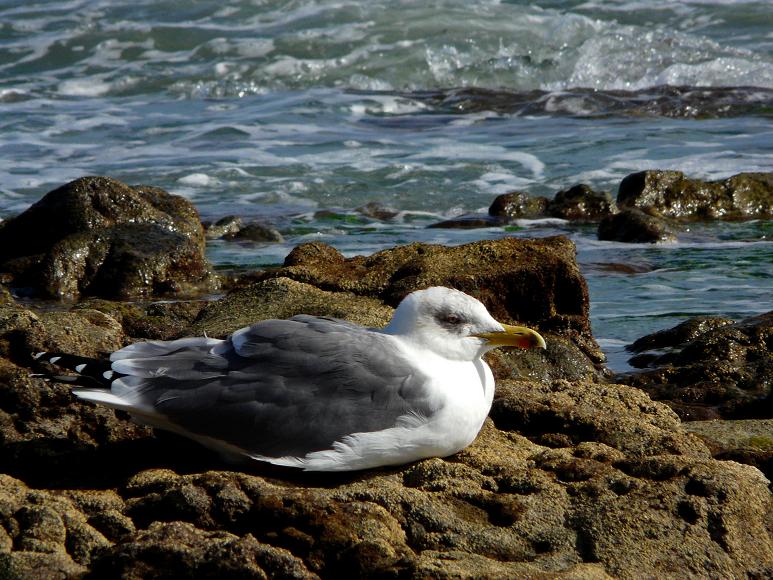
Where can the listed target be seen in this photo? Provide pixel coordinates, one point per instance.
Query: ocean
(298, 113)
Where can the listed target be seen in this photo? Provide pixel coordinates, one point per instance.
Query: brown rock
(530, 281)
(748, 441)
(670, 193)
(283, 298)
(98, 236)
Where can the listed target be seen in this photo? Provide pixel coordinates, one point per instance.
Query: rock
(227, 225)
(569, 478)
(233, 228)
(155, 320)
(605, 483)
(581, 203)
(634, 226)
(518, 205)
(681, 333)
(86, 332)
(534, 282)
(283, 298)
(713, 370)
(468, 222)
(377, 211)
(98, 236)
(748, 441)
(255, 232)
(671, 194)
(179, 550)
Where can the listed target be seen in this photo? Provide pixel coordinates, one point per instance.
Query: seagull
(317, 393)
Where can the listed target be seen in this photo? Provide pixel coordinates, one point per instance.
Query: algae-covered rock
(98, 236)
(671, 194)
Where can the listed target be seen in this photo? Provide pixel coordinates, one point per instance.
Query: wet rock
(98, 236)
(256, 232)
(671, 194)
(712, 369)
(581, 203)
(377, 211)
(227, 225)
(748, 441)
(233, 228)
(680, 334)
(634, 226)
(468, 222)
(518, 205)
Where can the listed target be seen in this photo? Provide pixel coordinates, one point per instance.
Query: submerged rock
(468, 222)
(711, 368)
(634, 226)
(671, 194)
(98, 236)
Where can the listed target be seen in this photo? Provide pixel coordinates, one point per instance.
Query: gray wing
(280, 387)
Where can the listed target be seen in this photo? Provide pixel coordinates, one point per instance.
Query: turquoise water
(298, 113)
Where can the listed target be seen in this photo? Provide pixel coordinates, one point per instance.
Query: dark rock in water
(581, 203)
(715, 370)
(748, 441)
(255, 232)
(468, 222)
(671, 194)
(233, 228)
(98, 236)
(517, 205)
(229, 224)
(678, 335)
(377, 211)
(634, 226)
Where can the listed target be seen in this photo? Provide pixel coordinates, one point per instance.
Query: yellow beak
(519, 336)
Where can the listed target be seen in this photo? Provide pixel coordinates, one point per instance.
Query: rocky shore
(576, 473)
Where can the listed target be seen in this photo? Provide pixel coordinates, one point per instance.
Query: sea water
(298, 113)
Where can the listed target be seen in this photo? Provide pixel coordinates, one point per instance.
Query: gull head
(454, 325)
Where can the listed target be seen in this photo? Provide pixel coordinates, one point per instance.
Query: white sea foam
(198, 180)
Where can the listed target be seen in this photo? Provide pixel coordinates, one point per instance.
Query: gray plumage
(277, 388)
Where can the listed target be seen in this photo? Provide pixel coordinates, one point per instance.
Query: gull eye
(452, 319)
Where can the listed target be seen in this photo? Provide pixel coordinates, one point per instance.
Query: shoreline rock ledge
(570, 477)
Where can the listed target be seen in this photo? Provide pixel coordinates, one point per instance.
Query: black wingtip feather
(90, 371)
